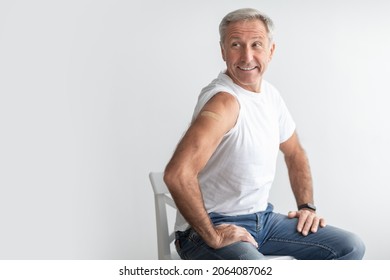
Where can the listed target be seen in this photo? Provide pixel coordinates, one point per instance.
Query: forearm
(187, 195)
(301, 184)
(300, 177)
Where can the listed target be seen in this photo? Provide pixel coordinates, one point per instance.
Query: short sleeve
(286, 123)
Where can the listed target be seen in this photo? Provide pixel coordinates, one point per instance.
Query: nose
(246, 54)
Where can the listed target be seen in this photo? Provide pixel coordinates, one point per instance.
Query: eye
(257, 44)
(235, 44)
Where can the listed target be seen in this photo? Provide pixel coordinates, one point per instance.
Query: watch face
(311, 206)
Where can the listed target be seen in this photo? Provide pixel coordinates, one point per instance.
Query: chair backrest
(161, 199)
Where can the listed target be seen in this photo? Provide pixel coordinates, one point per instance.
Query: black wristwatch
(310, 206)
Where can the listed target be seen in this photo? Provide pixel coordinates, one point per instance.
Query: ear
(271, 52)
(222, 51)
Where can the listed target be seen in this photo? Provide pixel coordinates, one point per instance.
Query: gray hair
(243, 15)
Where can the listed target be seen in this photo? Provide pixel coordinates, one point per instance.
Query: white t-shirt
(238, 177)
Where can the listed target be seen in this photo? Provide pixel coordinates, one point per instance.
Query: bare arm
(192, 153)
(298, 170)
(301, 184)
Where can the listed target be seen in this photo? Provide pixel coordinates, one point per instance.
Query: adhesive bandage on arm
(212, 115)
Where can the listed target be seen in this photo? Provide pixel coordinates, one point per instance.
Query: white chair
(165, 237)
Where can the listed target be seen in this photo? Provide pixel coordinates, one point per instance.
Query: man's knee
(353, 248)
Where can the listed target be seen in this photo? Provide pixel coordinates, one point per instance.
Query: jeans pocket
(189, 245)
(178, 247)
(181, 241)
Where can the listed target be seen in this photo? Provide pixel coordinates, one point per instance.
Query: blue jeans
(276, 234)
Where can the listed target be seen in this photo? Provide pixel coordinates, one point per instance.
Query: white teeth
(247, 69)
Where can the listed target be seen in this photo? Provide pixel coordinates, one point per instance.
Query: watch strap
(310, 206)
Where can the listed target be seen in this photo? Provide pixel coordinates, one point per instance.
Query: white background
(96, 94)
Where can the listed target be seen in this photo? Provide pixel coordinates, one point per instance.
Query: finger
(292, 214)
(302, 216)
(322, 222)
(232, 233)
(247, 237)
(307, 224)
(252, 240)
(315, 224)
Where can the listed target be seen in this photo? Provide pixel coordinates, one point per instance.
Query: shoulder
(219, 91)
(219, 114)
(221, 84)
(223, 100)
(224, 104)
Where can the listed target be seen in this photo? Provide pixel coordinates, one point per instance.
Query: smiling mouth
(246, 68)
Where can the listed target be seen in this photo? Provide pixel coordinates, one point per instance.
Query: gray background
(95, 94)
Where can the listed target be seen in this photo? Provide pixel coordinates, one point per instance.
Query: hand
(229, 234)
(307, 221)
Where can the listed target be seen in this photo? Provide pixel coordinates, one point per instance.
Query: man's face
(247, 51)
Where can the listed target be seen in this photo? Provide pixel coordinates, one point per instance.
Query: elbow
(177, 179)
(169, 178)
